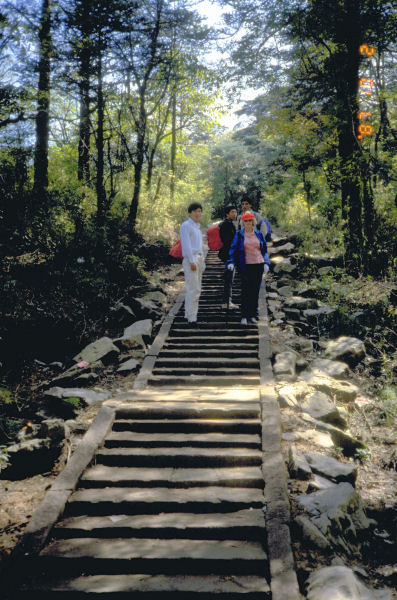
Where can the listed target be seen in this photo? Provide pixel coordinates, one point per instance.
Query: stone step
(181, 353)
(186, 457)
(187, 410)
(204, 380)
(240, 525)
(140, 555)
(203, 440)
(213, 361)
(151, 587)
(207, 341)
(189, 425)
(216, 325)
(191, 370)
(130, 501)
(239, 331)
(104, 476)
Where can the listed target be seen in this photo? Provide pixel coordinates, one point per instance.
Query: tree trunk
(347, 98)
(138, 164)
(173, 146)
(100, 188)
(43, 112)
(84, 124)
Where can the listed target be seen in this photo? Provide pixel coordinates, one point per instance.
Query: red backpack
(176, 250)
(214, 238)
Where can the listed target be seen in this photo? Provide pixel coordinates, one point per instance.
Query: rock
(155, 296)
(122, 314)
(324, 270)
(322, 320)
(280, 241)
(331, 368)
(145, 309)
(339, 390)
(311, 535)
(319, 483)
(66, 402)
(30, 457)
(292, 313)
(302, 344)
(301, 303)
(272, 295)
(286, 290)
(338, 513)
(348, 349)
(143, 328)
(319, 438)
(283, 250)
(102, 349)
(298, 466)
(301, 364)
(85, 379)
(70, 377)
(284, 266)
(344, 440)
(77, 427)
(292, 394)
(341, 583)
(128, 366)
(285, 364)
(321, 407)
(310, 292)
(54, 429)
(331, 468)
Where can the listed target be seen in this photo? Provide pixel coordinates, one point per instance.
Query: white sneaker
(253, 320)
(233, 306)
(243, 321)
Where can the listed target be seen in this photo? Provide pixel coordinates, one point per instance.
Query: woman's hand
(230, 266)
(265, 269)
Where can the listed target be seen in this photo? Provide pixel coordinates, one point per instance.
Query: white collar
(194, 223)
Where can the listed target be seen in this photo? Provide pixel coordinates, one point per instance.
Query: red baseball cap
(247, 216)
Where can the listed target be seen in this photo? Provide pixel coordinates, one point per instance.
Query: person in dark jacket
(227, 231)
(249, 253)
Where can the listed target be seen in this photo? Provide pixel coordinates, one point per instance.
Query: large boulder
(67, 402)
(321, 407)
(129, 366)
(78, 376)
(344, 348)
(331, 368)
(341, 583)
(156, 296)
(338, 513)
(283, 249)
(283, 266)
(30, 457)
(145, 309)
(121, 315)
(331, 468)
(310, 534)
(321, 320)
(344, 391)
(285, 364)
(135, 337)
(292, 394)
(298, 466)
(102, 349)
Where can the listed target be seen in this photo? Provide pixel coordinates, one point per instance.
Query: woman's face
(249, 225)
(245, 205)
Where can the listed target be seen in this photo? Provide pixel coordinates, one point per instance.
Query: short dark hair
(229, 207)
(194, 206)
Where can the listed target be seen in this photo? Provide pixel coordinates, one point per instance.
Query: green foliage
(73, 401)
(387, 405)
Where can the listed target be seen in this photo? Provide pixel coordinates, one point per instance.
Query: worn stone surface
(122, 315)
(348, 349)
(341, 439)
(55, 429)
(285, 364)
(319, 438)
(322, 320)
(292, 394)
(56, 399)
(331, 368)
(341, 583)
(102, 349)
(331, 468)
(298, 466)
(286, 290)
(301, 303)
(310, 534)
(343, 391)
(318, 483)
(143, 328)
(284, 266)
(283, 249)
(70, 377)
(157, 297)
(320, 406)
(338, 513)
(145, 309)
(128, 366)
(301, 344)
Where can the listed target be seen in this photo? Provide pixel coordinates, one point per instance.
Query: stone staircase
(172, 504)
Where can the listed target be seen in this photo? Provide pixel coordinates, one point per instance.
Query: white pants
(193, 286)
